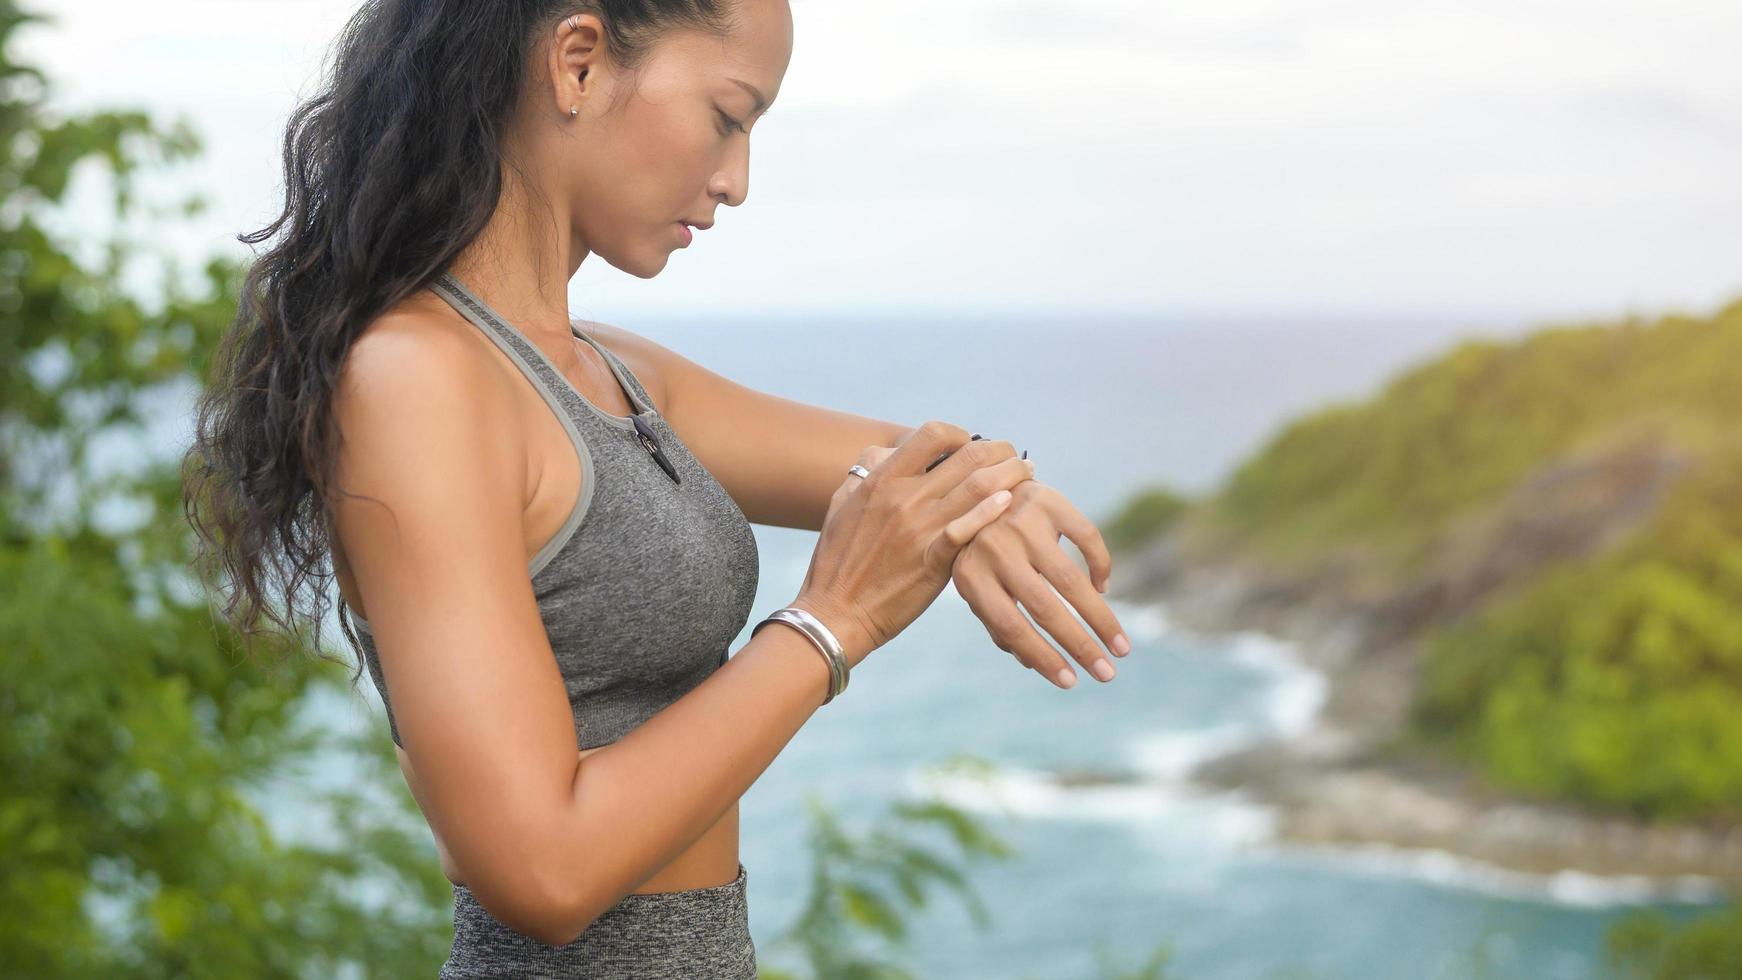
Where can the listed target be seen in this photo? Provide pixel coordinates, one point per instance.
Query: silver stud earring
(574, 111)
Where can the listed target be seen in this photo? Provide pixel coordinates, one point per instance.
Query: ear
(577, 52)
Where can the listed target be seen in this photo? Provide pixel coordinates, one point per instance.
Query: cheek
(653, 171)
(673, 159)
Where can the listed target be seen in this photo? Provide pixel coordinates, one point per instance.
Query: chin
(641, 267)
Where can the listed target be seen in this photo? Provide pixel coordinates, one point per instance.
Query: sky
(1514, 159)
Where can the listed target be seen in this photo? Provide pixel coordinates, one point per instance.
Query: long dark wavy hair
(390, 170)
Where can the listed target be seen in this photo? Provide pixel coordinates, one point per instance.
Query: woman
(533, 559)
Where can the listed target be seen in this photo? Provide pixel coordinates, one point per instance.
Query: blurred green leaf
(139, 748)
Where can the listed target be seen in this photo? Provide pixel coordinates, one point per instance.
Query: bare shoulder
(426, 340)
(419, 327)
(412, 379)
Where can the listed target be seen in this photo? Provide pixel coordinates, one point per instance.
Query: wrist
(855, 640)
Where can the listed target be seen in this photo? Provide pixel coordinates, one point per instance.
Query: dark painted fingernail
(1025, 454)
(975, 436)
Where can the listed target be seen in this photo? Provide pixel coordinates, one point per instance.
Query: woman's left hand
(1017, 558)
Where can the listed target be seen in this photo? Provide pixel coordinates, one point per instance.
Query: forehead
(757, 51)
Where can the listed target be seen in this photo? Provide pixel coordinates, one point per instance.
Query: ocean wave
(1565, 887)
(1177, 816)
(1215, 817)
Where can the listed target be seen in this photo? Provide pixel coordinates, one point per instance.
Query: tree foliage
(1454, 434)
(140, 755)
(1610, 676)
(1615, 681)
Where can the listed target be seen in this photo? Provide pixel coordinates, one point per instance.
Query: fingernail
(1121, 645)
(1103, 670)
(1102, 587)
(1067, 677)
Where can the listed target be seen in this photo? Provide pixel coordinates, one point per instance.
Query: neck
(520, 267)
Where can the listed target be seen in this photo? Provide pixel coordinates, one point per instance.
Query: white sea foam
(1174, 756)
(1295, 695)
(1199, 815)
(1565, 887)
(1148, 621)
(1177, 817)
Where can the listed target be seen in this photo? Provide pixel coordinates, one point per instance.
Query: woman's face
(644, 155)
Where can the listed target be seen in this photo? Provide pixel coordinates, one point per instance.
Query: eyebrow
(761, 103)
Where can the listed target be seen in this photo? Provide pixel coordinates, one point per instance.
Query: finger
(870, 456)
(921, 446)
(1086, 536)
(1069, 580)
(976, 455)
(1051, 613)
(1011, 631)
(959, 532)
(933, 464)
(870, 459)
(979, 483)
(867, 458)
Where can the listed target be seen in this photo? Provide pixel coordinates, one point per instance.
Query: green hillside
(1566, 512)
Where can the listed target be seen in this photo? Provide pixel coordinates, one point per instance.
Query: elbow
(554, 931)
(563, 916)
(555, 896)
(551, 920)
(554, 913)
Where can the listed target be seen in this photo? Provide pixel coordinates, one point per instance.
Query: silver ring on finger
(858, 471)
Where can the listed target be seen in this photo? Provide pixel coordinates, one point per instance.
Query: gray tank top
(652, 576)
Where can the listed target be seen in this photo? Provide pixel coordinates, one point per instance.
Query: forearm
(782, 473)
(640, 802)
(801, 499)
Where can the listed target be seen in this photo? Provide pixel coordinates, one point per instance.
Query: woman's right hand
(890, 540)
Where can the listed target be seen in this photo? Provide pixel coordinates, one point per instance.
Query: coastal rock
(1344, 780)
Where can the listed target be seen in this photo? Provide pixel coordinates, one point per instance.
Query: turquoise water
(1152, 859)
(1104, 408)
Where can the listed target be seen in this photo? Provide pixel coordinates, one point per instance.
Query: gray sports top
(645, 586)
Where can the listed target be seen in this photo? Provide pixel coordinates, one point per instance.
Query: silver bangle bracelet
(820, 635)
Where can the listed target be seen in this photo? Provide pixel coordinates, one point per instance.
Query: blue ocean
(1106, 871)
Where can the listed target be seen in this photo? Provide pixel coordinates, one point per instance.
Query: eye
(732, 124)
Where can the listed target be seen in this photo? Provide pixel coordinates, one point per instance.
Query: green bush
(1616, 681)
(1455, 434)
(1145, 515)
(137, 747)
(1645, 945)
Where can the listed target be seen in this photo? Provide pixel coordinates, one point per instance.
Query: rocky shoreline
(1345, 783)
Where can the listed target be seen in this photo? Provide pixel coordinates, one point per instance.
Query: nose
(731, 185)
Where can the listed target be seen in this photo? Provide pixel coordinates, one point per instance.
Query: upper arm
(779, 459)
(434, 539)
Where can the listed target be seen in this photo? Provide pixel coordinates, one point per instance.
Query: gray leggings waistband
(695, 933)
